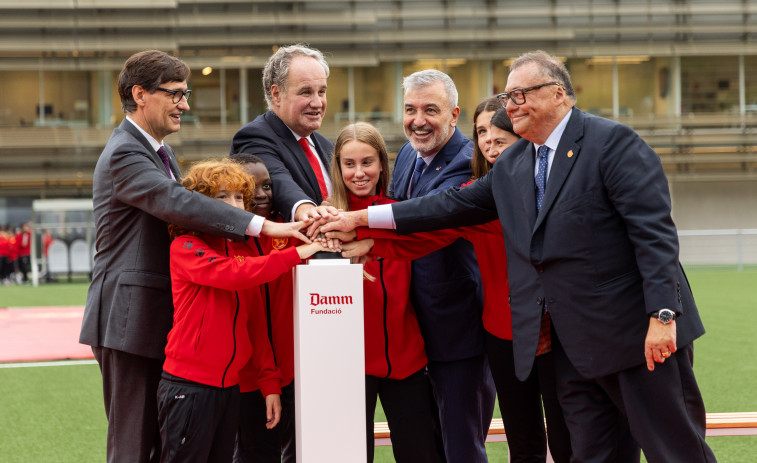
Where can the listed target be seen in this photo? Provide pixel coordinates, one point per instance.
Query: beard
(431, 145)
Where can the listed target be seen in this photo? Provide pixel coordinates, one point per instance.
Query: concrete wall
(710, 205)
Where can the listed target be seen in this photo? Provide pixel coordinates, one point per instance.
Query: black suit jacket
(129, 302)
(292, 176)
(602, 252)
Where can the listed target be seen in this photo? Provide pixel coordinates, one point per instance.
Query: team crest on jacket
(239, 259)
(279, 243)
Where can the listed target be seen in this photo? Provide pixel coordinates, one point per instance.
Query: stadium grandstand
(683, 73)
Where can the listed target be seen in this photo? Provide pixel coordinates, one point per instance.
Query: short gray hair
(551, 67)
(276, 70)
(428, 77)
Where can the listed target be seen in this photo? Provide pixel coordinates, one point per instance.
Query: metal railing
(718, 247)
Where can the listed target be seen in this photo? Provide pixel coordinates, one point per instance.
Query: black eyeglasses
(518, 95)
(176, 94)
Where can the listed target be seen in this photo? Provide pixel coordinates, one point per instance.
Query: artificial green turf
(52, 414)
(55, 414)
(724, 358)
(46, 294)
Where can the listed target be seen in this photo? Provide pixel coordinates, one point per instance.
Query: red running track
(41, 333)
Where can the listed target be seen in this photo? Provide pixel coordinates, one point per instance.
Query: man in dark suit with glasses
(136, 194)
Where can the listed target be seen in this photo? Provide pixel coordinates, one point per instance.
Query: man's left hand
(660, 343)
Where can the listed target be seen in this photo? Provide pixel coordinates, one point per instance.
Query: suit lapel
(432, 171)
(565, 158)
(134, 132)
(295, 150)
(154, 156)
(401, 174)
(441, 160)
(325, 157)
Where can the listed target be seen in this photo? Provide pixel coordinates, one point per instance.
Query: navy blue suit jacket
(292, 176)
(602, 252)
(446, 284)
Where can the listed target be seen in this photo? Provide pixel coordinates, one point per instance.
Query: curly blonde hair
(208, 177)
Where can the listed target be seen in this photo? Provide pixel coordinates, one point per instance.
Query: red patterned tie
(316, 167)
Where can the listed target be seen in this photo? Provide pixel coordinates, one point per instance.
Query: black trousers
(198, 423)
(258, 444)
(411, 415)
(520, 403)
(130, 385)
(465, 396)
(610, 417)
(5, 267)
(24, 265)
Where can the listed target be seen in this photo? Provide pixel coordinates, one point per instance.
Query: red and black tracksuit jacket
(219, 323)
(394, 346)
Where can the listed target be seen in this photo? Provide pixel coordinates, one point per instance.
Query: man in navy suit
(294, 83)
(593, 251)
(446, 284)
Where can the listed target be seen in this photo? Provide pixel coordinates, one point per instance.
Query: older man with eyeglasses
(592, 255)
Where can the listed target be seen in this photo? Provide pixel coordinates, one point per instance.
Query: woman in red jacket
(395, 358)
(218, 326)
(520, 402)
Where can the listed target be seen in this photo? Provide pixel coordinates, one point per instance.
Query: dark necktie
(420, 166)
(545, 339)
(315, 165)
(541, 175)
(164, 157)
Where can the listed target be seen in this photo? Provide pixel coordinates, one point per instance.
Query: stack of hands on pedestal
(335, 229)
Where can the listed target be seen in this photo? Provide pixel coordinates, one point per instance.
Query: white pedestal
(329, 362)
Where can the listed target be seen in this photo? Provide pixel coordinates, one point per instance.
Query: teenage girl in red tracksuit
(216, 331)
(255, 442)
(520, 402)
(395, 359)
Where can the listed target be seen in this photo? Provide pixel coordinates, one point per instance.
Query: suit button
(538, 301)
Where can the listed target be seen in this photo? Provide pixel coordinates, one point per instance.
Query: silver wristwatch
(665, 316)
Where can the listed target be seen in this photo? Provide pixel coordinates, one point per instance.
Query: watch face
(666, 316)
